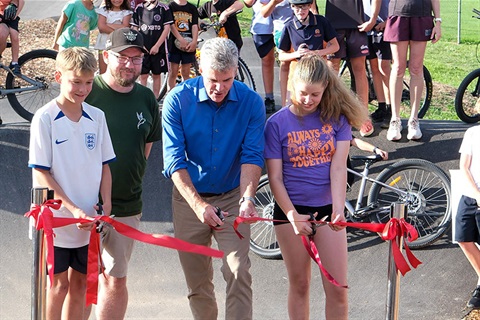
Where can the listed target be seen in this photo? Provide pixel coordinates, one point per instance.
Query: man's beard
(125, 82)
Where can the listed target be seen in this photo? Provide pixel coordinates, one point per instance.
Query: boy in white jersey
(70, 149)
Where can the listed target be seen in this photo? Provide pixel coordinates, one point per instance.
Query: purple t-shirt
(306, 146)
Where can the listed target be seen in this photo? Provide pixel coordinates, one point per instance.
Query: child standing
(78, 18)
(9, 11)
(467, 223)
(185, 17)
(113, 15)
(153, 19)
(70, 149)
(305, 34)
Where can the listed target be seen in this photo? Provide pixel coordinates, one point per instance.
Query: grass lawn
(447, 61)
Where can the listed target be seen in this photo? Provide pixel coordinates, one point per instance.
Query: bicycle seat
(371, 159)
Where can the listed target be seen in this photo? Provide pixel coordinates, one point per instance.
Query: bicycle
(243, 74)
(422, 186)
(34, 86)
(467, 99)
(346, 73)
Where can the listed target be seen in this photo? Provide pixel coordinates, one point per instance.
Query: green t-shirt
(133, 120)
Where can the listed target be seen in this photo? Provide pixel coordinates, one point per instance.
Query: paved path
(438, 289)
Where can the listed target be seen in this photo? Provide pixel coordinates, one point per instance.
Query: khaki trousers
(198, 269)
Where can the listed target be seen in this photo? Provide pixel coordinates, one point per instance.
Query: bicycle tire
(37, 65)
(244, 75)
(467, 99)
(263, 240)
(428, 200)
(427, 100)
(349, 79)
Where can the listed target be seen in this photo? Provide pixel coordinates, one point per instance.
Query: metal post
(397, 210)
(459, 22)
(39, 279)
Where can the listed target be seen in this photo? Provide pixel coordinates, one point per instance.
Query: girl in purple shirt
(306, 151)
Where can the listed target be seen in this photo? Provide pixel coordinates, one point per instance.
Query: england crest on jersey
(90, 140)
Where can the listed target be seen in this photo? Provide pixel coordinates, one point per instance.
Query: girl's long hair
(337, 99)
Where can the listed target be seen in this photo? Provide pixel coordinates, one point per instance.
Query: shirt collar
(203, 96)
(312, 20)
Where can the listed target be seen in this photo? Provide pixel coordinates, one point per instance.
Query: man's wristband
(243, 199)
(375, 149)
(438, 20)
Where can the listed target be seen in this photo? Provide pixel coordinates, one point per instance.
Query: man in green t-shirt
(134, 124)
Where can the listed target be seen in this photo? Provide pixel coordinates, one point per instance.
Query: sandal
(367, 129)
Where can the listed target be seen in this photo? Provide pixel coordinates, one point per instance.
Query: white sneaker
(414, 132)
(394, 132)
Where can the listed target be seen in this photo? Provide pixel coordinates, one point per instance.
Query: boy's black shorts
(12, 24)
(75, 258)
(157, 64)
(467, 222)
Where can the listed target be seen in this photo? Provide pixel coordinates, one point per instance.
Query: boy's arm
(58, 30)
(163, 36)
(249, 3)
(45, 179)
(192, 46)
(268, 8)
(106, 189)
(471, 187)
(236, 6)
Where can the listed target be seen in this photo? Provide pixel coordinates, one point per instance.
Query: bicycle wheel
(426, 97)
(427, 199)
(467, 100)
(263, 240)
(244, 75)
(163, 90)
(36, 85)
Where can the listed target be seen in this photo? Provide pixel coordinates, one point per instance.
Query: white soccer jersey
(74, 152)
(469, 146)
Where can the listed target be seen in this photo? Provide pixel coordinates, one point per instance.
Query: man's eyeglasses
(301, 6)
(124, 59)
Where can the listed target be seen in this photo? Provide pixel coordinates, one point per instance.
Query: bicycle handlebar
(477, 12)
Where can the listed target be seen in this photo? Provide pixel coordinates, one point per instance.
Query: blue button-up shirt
(211, 141)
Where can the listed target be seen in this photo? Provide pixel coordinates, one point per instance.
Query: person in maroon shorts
(409, 26)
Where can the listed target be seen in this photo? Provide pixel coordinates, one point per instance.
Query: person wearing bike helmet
(306, 33)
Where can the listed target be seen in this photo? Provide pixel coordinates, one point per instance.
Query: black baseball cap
(124, 38)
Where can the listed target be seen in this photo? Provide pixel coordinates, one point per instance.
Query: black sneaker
(269, 105)
(386, 120)
(475, 300)
(15, 68)
(378, 115)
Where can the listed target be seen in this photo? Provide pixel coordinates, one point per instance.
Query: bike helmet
(300, 1)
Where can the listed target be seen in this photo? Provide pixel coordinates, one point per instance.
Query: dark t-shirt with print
(151, 23)
(344, 14)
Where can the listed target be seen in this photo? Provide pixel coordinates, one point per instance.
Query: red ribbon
(390, 231)
(44, 220)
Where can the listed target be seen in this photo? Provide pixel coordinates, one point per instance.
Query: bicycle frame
(358, 204)
(35, 84)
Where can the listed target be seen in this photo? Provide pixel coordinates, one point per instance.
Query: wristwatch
(438, 20)
(243, 199)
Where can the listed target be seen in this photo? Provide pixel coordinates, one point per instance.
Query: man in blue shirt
(213, 151)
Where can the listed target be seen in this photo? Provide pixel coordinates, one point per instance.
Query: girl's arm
(58, 30)
(106, 189)
(338, 181)
(437, 30)
(300, 223)
(125, 23)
